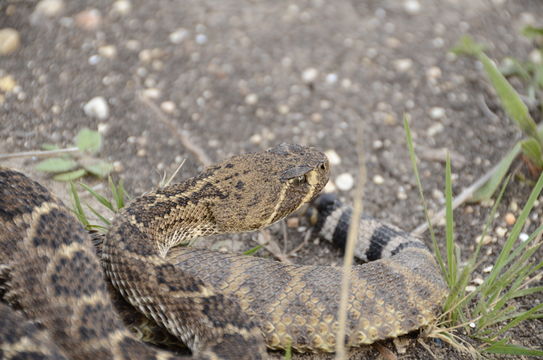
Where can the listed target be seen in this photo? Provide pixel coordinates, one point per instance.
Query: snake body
(223, 306)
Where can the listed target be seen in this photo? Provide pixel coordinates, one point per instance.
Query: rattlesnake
(223, 306)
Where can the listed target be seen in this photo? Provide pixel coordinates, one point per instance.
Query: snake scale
(56, 304)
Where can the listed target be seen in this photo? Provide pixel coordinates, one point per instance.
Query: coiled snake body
(223, 306)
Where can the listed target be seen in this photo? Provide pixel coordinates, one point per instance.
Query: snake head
(262, 188)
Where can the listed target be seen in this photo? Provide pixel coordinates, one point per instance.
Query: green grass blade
(71, 175)
(503, 258)
(449, 229)
(510, 349)
(253, 250)
(102, 200)
(78, 209)
(102, 218)
(413, 159)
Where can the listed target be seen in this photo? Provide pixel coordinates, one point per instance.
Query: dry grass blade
(349, 250)
(38, 153)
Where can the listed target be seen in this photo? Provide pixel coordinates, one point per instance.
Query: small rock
(378, 179)
(316, 117)
(103, 128)
(437, 112)
(151, 93)
(333, 157)
(48, 8)
(377, 144)
(283, 109)
(331, 78)
(251, 99)
(201, 39)
(403, 65)
(97, 107)
(510, 219)
(141, 153)
(293, 222)
(478, 281)
(118, 166)
(256, 139)
(400, 194)
(412, 7)
(435, 129)
(345, 182)
(487, 239)
(438, 194)
(107, 51)
(121, 7)
(10, 41)
(500, 231)
(7, 83)
(471, 288)
(488, 269)
(168, 106)
(523, 237)
(89, 19)
(433, 73)
(309, 75)
(178, 36)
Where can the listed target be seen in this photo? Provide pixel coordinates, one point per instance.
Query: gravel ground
(161, 78)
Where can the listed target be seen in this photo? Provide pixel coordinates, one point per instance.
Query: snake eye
(299, 180)
(323, 166)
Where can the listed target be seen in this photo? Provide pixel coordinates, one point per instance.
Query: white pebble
(201, 39)
(48, 8)
(255, 139)
(97, 107)
(331, 78)
(437, 112)
(151, 93)
(168, 106)
(412, 7)
(471, 288)
(103, 128)
(310, 75)
(251, 99)
(523, 237)
(471, 324)
(122, 7)
(377, 144)
(10, 41)
(488, 269)
(500, 231)
(400, 194)
(333, 157)
(107, 51)
(478, 281)
(345, 182)
(435, 129)
(402, 65)
(487, 239)
(283, 109)
(178, 36)
(536, 57)
(378, 179)
(433, 73)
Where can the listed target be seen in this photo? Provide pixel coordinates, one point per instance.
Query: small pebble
(7, 83)
(438, 194)
(89, 19)
(151, 93)
(251, 99)
(283, 109)
(377, 144)
(488, 269)
(403, 65)
(316, 117)
(10, 41)
(178, 36)
(48, 8)
(97, 107)
(331, 78)
(141, 153)
(412, 7)
(400, 194)
(118, 166)
(309, 75)
(478, 281)
(201, 39)
(500, 231)
(255, 139)
(471, 288)
(345, 182)
(435, 129)
(293, 222)
(437, 112)
(107, 51)
(333, 157)
(103, 128)
(168, 106)
(523, 237)
(510, 219)
(433, 73)
(121, 7)
(378, 179)
(487, 239)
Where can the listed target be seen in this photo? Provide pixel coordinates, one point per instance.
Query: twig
(38, 153)
(349, 249)
(182, 135)
(265, 240)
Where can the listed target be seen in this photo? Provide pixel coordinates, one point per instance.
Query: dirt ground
(234, 76)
